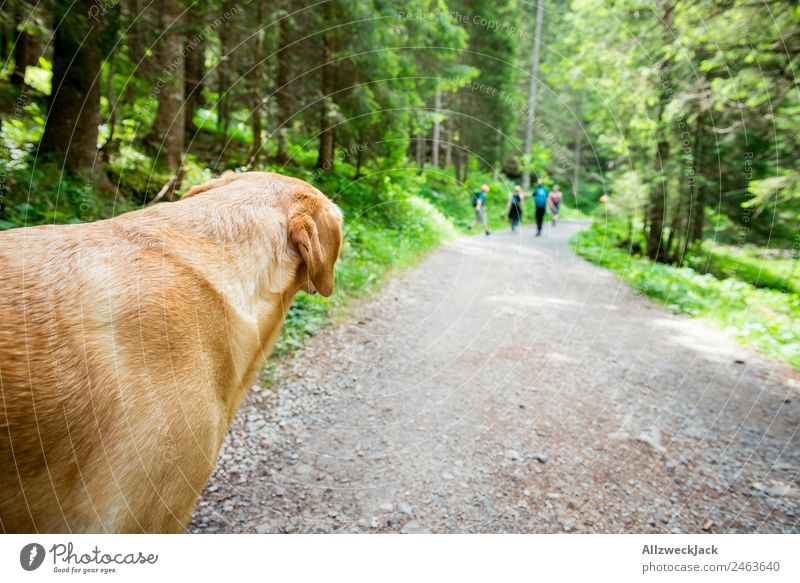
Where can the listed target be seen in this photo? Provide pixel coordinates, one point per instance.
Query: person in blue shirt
(540, 196)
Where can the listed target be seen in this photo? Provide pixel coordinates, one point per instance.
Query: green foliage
(765, 319)
(46, 194)
(752, 265)
(137, 183)
(688, 99)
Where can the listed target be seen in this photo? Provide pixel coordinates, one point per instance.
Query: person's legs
(476, 220)
(484, 220)
(539, 220)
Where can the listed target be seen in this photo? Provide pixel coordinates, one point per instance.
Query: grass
(754, 265)
(765, 319)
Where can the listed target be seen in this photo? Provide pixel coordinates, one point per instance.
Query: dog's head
(313, 222)
(315, 231)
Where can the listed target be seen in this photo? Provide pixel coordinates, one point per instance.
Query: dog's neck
(241, 249)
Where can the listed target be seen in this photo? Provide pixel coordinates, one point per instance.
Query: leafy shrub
(763, 318)
(748, 265)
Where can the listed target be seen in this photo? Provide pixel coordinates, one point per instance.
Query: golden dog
(127, 345)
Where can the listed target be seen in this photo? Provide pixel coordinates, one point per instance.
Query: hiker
(554, 203)
(515, 208)
(540, 196)
(479, 202)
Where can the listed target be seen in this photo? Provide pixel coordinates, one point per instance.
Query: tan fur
(127, 345)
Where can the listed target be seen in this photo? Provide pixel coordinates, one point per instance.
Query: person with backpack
(479, 202)
(515, 208)
(540, 196)
(554, 202)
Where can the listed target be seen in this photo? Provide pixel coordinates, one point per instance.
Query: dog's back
(128, 344)
(97, 333)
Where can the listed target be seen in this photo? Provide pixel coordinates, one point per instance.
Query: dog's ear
(308, 231)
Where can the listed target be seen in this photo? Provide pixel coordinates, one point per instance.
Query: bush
(748, 265)
(44, 193)
(763, 318)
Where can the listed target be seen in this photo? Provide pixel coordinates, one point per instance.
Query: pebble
(568, 524)
(404, 508)
(414, 527)
(542, 458)
(265, 528)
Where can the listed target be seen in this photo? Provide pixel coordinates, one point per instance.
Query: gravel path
(507, 385)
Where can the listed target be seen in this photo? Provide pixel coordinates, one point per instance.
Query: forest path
(507, 385)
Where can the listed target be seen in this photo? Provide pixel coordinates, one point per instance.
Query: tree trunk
(256, 149)
(136, 52)
(169, 124)
(4, 37)
(576, 169)
(24, 46)
(195, 71)
(458, 164)
(223, 83)
(325, 156)
(70, 132)
(658, 195)
(675, 228)
(108, 147)
(437, 128)
(282, 94)
(698, 206)
(255, 90)
(135, 44)
(526, 174)
(420, 152)
(359, 158)
(498, 148)
(448, 146)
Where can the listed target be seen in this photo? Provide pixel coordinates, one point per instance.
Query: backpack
(475, 196)
(540, 196)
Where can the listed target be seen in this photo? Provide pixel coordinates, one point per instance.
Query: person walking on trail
(554, 203)
(540, 197)
(515, 208)
(479, 202)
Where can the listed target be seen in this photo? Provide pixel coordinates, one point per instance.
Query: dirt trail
(507, 385)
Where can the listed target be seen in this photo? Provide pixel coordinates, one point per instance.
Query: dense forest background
(683, 118)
